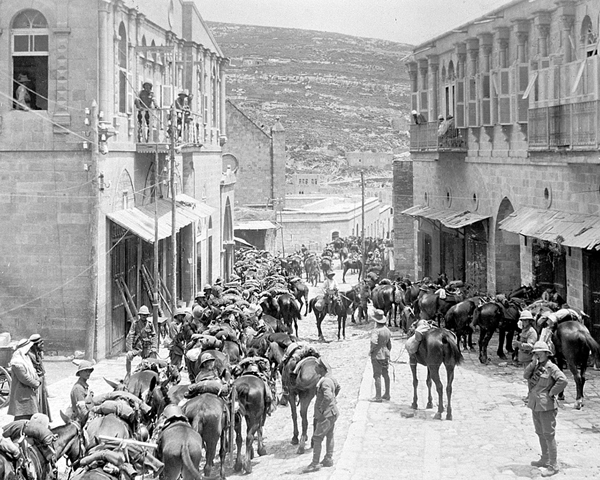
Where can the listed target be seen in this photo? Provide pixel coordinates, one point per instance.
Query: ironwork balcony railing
(154, 126)
(571, 125)
(426, 137)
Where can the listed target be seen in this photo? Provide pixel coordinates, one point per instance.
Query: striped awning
(565, 228)
(448, 218)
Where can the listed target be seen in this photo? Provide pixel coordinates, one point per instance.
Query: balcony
(152, 126)
(425, 138)
(568, 126)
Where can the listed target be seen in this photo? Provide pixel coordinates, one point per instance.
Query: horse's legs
(252, 427)
(211, 449)
(428, 383)
(579, 377)
(449, 380)
(223, 449)
(434, 372)
(238, 442)
(509, 338)
(304, 403)
(296, 327)
(413, 369)
(320, 318)
(501, 337)
(259, 437)
(484, 340)
(292, 401)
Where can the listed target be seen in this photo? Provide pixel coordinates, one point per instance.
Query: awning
(569, 229)
(448, 218)
(243, 243)
(140, 221)
(256, 225)
(201, 209)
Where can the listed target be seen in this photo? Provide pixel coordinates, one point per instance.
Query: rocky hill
(333, 93)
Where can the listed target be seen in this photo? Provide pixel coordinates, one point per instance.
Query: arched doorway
(508, 253)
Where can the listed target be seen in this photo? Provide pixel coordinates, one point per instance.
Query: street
(491, 436)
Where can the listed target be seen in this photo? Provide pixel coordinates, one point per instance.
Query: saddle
(215, 387)
(301, 363)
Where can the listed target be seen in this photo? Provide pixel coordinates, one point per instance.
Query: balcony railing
(154, 126)
(572, 125)
(425, 138)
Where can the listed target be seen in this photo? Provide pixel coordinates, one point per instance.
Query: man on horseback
(545, 382)
(330, 290)
(141, 339)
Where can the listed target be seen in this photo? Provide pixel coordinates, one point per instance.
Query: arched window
(589, 38)
(30, 60)
(123, 75)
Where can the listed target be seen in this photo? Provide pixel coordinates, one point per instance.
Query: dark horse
(251, 396)
(339, 307)
(351, 265)
(300, 291)
(458, 319)
(180, 449)
(384, 298)
(438, 346)
(490, 317)
(209, 417)
(573, 343)
(430, 306)
(289, 312)
(302, 388)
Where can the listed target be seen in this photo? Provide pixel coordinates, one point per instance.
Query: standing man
(526, 340)
(141, 339)
(36, 353)
(81, 389)
(326, 413)
(23, 400)
(381, 344)
(545, 382)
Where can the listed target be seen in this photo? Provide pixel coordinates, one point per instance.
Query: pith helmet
(84, 366)
(379, 316)
(525, 315)
(143, 310)
(206, 357)
(540, 346)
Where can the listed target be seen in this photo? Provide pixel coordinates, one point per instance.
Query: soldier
(330, 289)
(81, 389)
(381, 344)
(141, 339)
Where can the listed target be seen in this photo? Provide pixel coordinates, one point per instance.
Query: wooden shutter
(472, 115)
(130, 92)
(414, 101)
(166, 96)
(504, 100)
(486, 100)
(459, 115)
(521, 83)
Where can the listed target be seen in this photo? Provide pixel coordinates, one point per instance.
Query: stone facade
(523, 88)
(404, 231)
(60, 253)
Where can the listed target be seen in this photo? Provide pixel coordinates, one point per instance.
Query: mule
(350, 264)
(438, 346)
(340, 306)
(573, 343)
(107, 425)
(233, 351)
(289, 311)
(301, 389)
(208, 415)
(180, 449)
(251, 395)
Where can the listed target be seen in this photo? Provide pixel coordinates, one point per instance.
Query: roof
(140, 221)
(255, 225)
(448, 218)
(566, 228)
(243, 242)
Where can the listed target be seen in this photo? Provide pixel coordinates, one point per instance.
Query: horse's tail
(188, 463)
(311, 305)
(451, 342)
(592, 344)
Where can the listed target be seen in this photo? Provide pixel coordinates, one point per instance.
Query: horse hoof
(262, 451)
(238, 466)
(502, 356)
(437, 416)
(295, 441)
(248, 467)
(300, 450)
(429, 405)
(448, 416)
(414, 406)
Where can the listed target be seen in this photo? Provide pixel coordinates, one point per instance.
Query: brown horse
(317, 305)
(301, 388)
(573, 345)
(350, 264)
(300, 291)
(251, 396)
(180, 449)
(439, 346)
(208, 415)
(289, 311)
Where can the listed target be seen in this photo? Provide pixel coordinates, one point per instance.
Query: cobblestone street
(491, 436)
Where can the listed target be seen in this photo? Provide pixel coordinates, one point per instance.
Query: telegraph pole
(364, 252)
(172, 184)
(156, 299)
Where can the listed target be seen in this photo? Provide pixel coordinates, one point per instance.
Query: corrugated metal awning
(201, 209)
(140, 221)
(448, 218)
(569, 229)
(256, 225)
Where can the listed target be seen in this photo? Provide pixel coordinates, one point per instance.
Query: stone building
(506, 192)
(82, 206)
(259, 159)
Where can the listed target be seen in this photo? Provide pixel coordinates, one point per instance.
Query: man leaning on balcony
(144, 103)
(418, 118)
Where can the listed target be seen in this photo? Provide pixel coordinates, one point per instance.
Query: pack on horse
(300, 291)
(431, 306)
(251, 397)
(311, 266)
(438, 346)
(301, 388)
(385, 298)
(491, 316)
(351, 264)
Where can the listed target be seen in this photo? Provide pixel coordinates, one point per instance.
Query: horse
(301, 389)
(108, 425)
(232, 350)
(300, 291)
(289, 311)
(432, 307)
(489, 316)
(437, 346)
(251, 396)
(573, 344)
(340, 305)
(313, 275)
(180, 449)
(458, 319)
(343, 255)
(317, 305)
(208, 415)
(352, 265)
(384, 298)
(326, 265)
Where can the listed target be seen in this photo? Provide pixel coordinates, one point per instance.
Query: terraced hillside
(333, 93)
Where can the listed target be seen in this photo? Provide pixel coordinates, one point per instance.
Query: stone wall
(404, 231)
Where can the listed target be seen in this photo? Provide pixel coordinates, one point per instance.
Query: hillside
(333, 93)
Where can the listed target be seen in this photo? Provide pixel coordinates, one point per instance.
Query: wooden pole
(155, 300)
(172, 185)
(364, 253)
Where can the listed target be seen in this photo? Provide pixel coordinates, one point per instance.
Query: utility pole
(280, 202)
(156, 300)
(364, 252)
(172, 184)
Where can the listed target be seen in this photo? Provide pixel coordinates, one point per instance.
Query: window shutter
(459, 115)
(424, 104)
(522, 81)
(472, 115)
(486, 100)
(504, 100)
(166, 97)
(130, 93)
(414, 101)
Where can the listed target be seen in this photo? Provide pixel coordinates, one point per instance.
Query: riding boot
(378, 388)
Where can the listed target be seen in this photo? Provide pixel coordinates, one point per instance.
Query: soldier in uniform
(81, 389)
(141, 339)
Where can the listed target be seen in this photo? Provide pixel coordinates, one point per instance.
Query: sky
(405, 21)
